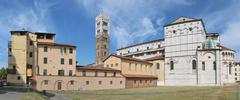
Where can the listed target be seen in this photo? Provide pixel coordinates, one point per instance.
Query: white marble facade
(191, 55)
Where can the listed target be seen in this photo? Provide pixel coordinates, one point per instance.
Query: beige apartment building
(138, 73)
(86, 78)
(35, 58)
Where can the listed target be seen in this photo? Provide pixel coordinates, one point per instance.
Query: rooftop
(155, 58)
(128, 58)
(55, 44)
(142, 43)
(138, 76)
(96, 67)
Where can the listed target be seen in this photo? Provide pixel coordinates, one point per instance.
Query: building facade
(237, 71)
(102, 38)
(191, 55)
(138, 73)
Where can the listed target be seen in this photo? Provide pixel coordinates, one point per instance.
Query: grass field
(229, 92)
(33, 96)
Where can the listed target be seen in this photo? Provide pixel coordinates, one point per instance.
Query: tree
(3, 73)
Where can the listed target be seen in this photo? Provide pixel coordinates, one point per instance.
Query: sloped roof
(55, 44)
(96, 67)
(138, 76)
(127, 58)
(155, 58)
(225, 48)
(181, 20)
(142, 43)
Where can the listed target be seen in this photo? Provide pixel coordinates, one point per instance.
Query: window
(70, 73)
(99, 82)
(45, 49)
(18, 78)
(130, 67)
(70, 61)
(70, 50)
(158, 66)
(159, 46)
(140, 81)
(105, 46)
(135, 67)
(111, 65)
(116, 64)
(194, 65)
(45, 82)
(87, 82)
(60, 72)
(83, 73)
(214, 65)
(62, 61)
(114, 74)
(45, 60)
(171, 65)
(147, 48)
(45, 72)
(230, 68)
(137, 49)
(121, 82)
(31, 43)
(111, 82)
(107, 66)
(105, 74)
(30, 54)
(72, 82)
(65, 50)
(203, 65)
(96, 73)
(135, 81)
(141, 67)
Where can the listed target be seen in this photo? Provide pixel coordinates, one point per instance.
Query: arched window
(171, 65)
(214, 65)
(230, 68)
(158, 66)
(194, 64)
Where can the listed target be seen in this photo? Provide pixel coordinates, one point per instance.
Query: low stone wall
(78, 83)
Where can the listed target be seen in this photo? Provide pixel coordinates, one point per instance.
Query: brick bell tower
(102, 38)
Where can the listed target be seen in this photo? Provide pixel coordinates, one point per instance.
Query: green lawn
(33, 96)
(158, 93)
(229, 92)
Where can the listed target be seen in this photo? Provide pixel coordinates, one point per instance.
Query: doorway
(59, 86)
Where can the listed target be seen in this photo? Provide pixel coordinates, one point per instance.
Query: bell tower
(102, 38)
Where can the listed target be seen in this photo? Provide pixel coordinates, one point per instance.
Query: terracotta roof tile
(55, 44)
(128, 58)
(138, 76)
(96, 67)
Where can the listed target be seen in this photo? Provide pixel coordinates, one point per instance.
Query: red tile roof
(55, 44)
(155, 58)
(138, 76)
(96, 67)
(127, 58)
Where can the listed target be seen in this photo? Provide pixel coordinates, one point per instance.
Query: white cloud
(32, 18)
(227, 22)
(132, 21)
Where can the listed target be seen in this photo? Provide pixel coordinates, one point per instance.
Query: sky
(131, 21)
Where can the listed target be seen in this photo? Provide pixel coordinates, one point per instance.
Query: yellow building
(35, 58)
(138, 73)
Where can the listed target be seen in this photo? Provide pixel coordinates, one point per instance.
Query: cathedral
(188, 55)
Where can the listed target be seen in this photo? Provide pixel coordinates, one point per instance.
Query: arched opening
(158, 66)
(171, 65)
(194, 64)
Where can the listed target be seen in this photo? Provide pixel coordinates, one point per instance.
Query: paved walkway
(10, 95)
